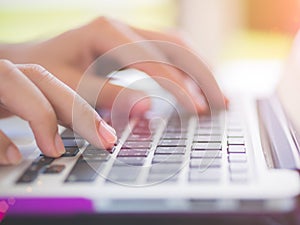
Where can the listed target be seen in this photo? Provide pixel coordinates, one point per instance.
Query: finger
(9, 153)
(140, 52)
(191, 62)
(172, 80)
(102, 93)
(21, 97)
(70, 108)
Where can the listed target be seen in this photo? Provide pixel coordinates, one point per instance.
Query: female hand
(70, 54)
(34, 94)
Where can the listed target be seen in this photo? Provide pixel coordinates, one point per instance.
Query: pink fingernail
(13, 155)
(107, 132)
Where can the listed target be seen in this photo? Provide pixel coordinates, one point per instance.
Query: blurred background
(222, 30)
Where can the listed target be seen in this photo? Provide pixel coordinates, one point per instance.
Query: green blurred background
(221, 29)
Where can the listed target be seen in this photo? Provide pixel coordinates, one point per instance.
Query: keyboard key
(167, 159)
(237, 167)
(174, 136)
(235, 141)
(163, 168)
(209, 118)
(180, 130)
(143, 123)
(69, 134)
(133, 153)
(235, 134)
(90, 158)
(92, 153)
(172, 143)
(85, 171)
(42, 161)
(208, 175)
(95, 151)
(236, 149)
(237, 157)
(139, 137)
(37, 166)
(28, 176)
(209, 126)
(205, 163)
(123, 174)
(54, 169)
(207, 139)
(206, 154)
(70, 152)
(74, 142)
(138, 130)
(234, 129)
(137, 144)
(213, 132)
(71, 139)
(129, 161)
(207, 146)
(170, 150)
(180, 121)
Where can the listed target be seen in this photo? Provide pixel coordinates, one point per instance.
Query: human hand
(32, 93)
(69, 55)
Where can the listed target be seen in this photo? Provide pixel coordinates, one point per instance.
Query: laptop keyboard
(186, 149)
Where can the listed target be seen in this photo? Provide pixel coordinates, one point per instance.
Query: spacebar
(85, 171)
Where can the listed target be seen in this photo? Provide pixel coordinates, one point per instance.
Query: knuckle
(6, 66)
(5, 63)
(81, 109)
(47, 112)
(35, 68)
(104, 22)
(42, 75)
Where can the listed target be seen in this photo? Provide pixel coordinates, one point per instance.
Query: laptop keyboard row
(187, 149)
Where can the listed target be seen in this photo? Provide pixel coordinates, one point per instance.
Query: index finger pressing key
(72, 110)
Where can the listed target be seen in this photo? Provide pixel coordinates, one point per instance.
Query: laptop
(242, 160)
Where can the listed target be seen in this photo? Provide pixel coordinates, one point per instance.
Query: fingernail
(107, 132)
(13, 155)
(59, 145)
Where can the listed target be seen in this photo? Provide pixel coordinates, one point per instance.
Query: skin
(27, 87)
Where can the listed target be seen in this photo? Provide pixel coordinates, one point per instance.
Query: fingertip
(51, 147)
(13, 155)
(59, 145)
(107, 133)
